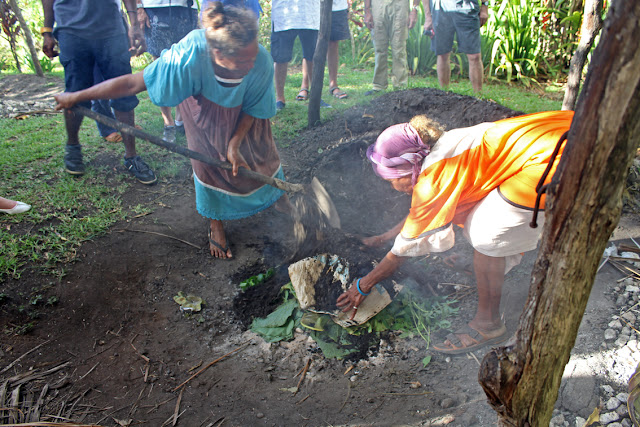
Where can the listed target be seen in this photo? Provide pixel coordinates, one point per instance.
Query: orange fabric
(512, 154)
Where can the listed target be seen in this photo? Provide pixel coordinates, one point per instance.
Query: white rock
(610, 334)
(612, 404)
(580, 422)
(615, 324)
(622, 397)
(614, 425)
(558, 420)
(629, 317)
(631, 288)
(626, 423)
(608, 389)
(622, 411)
(609, 417)
(633, 345)
(626, 331)
(622, 340)
(621, 301)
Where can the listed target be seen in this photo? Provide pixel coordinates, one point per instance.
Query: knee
(474, 58)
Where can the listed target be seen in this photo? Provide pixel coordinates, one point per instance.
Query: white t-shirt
(339, 5)
(295, 15)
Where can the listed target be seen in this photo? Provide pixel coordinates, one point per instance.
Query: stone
(610, 334)
(579, 394)
(626, 331)
(623, 397)
(558, 420)
(609, 417)
(612, 404)
(622, 411)
(580, 422)
(447, 403)
(622, 340)
(615, 324)
(608, 389)
(629, 317)
(626, 423)
(632, 288)
(621, 300)
(614, 425)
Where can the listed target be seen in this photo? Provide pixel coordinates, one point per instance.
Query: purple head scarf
(398, 152)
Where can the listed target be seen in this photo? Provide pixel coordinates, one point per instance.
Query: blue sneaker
(73, 159)
(138, 168)
(280, 105)
(324, 104)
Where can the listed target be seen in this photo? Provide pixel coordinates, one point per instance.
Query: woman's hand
(65, 100)
(351, 300)
(373, 241)
(236, 159)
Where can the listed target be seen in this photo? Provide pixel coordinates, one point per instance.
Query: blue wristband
(360, 290)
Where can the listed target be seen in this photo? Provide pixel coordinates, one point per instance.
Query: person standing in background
(390, 22)
(164, 23)
(443, 19)
(339, 31)
(92, 33)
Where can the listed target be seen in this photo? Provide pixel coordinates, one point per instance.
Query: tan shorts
(496, 228)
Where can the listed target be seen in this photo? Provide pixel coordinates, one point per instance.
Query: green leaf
(426, 361)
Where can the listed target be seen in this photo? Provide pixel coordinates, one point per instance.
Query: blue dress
(183, 76)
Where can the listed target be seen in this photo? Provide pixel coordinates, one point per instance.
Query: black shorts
(340, 25)
(282, 44)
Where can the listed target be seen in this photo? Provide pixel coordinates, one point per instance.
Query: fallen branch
(175, 413)
(346, 398)
(211, 364)
(163, 235)
(6, 368)
(304, 373)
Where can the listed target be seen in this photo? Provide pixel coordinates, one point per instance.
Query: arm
(136, 39)
(377, 241)
(352, 298)
(368, 17)
(129, 84)
(428, 20)
(48, 42)
(233, 151)
(413, 14)
(484, 12)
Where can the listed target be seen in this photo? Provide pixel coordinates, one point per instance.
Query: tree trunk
(591, 25)
(522, 379)
(27, 37)
(319, 58)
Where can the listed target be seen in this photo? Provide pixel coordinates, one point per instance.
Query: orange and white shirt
(467, 164)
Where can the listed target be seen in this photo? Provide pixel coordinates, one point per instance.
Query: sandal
(340, 94)
(113, 137)
(303, 95)
(219, 246)
(453, 344)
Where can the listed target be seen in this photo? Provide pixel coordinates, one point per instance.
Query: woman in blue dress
(221, 80)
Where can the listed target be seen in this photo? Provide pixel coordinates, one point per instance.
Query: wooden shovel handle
(130, 130)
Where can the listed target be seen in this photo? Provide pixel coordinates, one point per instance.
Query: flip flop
(113, 137)
(303, 95)
(455, 346)
(219, 246)
(340, 94)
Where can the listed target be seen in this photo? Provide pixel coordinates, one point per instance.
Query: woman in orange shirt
(482, 178)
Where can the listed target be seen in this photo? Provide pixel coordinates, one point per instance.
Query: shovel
(314, 211)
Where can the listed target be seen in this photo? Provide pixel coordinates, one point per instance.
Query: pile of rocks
(11, 108)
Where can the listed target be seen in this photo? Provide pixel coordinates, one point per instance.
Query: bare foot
(218, 241)
(283, 205)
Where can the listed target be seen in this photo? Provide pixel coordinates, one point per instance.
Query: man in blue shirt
(91, 33)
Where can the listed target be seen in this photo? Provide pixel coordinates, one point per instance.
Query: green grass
(68, 211)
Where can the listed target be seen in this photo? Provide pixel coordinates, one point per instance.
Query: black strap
(540, 188)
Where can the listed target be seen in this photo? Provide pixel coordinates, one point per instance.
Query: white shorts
(494, 228)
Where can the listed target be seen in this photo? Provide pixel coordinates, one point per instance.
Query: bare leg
(167, 118)
(443, 68)
(307, 68)
(280, 73)
(7, 203)
(127, 117)
(332, 63)
(490, 278)
(475, 71)
(217, 235)
(72, 123)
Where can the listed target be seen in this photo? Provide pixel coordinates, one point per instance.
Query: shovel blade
(324, 203)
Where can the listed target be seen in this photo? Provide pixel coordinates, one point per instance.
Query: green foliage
(256, 280)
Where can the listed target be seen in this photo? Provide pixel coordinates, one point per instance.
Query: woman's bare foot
(283, 205)
(218, 241)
